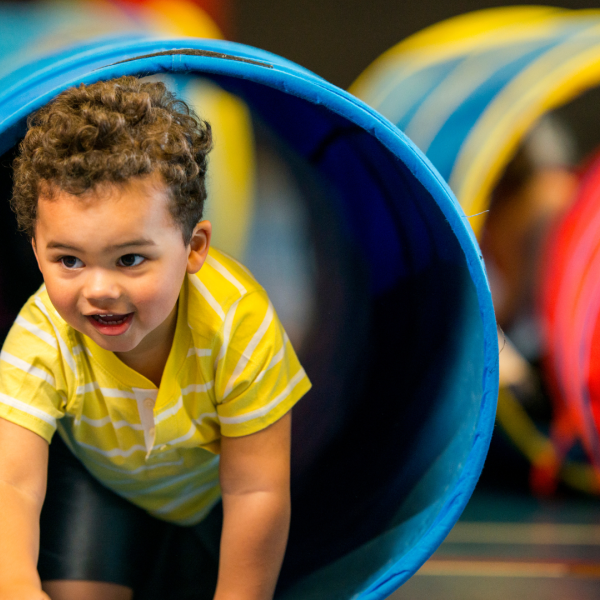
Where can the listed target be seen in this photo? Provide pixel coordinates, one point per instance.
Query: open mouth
(111, 323)
(110, 319)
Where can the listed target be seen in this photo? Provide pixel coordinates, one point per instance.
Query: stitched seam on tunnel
(26, 408)
(194, 52)
(26, 367)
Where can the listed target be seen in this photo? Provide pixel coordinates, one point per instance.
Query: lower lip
(106, 329)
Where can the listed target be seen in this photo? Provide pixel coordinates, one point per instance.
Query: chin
(116, 344)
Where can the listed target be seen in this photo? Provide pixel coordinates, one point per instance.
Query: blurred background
(532, 528)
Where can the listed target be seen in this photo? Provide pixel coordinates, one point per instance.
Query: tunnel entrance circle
(403, 353)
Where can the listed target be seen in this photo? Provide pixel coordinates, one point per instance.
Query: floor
(510, 546)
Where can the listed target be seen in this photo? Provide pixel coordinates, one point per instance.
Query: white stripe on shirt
(114, 451)
(207, 296)
(25, 366)
(249, 350)
(39, 333)
(144, 467)
(274, 361)
(183, 438)
(227, 331)
(165, 414)
(198, 388)
(206, 415)
(170, 481)
(63, 347)
(183, 498)
(27, 408)
(261, 412)
(106, 392)
(106, 420)
(199, 352)
(217, 266)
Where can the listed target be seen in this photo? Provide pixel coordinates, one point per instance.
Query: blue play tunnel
(402, 347)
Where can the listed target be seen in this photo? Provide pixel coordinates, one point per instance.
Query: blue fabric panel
(417, 86)
(446, 145)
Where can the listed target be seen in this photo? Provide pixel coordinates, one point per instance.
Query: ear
(35, 252)
(199, 245)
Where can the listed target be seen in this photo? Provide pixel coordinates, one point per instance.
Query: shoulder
(37, 368)
(227, 276)
(40, 333)
(39, 319)
(223, 290)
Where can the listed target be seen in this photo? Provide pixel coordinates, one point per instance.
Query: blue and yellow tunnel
(468, 90)
(471, 92)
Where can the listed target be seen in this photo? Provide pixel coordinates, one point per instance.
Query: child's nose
(100, 284)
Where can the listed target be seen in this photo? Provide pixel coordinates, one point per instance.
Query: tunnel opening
(398, 348)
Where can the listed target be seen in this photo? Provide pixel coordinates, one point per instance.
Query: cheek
(63, 297)
(157, 296)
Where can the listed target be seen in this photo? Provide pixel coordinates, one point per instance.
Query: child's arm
(23, 474)
(255, 483)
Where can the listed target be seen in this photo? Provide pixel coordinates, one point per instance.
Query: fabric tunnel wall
(473, 92)
(478, 83)
(402, 348)
(570, 302)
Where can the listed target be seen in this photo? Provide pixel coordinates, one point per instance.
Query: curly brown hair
(108, 132)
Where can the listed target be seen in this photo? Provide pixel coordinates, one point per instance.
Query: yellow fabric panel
(231, 371)
(179, 17)
(555, 78)
(231, 179)
(472, 32)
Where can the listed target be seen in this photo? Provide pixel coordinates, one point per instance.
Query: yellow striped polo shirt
(231, 371)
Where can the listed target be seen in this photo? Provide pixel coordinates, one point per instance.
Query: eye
(131, 260)
(71, 262)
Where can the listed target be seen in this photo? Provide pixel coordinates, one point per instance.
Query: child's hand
(255, 481)
(22, 592)
(23, 472)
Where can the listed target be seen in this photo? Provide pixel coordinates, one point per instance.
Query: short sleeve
(258, 376)
(32, 377)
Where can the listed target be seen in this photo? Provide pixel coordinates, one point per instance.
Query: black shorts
(89, 533)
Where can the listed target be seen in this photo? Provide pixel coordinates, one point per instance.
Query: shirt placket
(146, 401)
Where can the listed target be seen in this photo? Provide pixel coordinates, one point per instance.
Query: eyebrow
(52, 245)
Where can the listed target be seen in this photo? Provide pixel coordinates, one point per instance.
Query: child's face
(114, 260)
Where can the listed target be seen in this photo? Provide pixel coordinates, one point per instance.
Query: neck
(150, 356)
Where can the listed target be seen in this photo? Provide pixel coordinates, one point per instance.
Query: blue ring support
(387, 449)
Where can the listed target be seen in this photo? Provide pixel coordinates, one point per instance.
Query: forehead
(108, 211)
